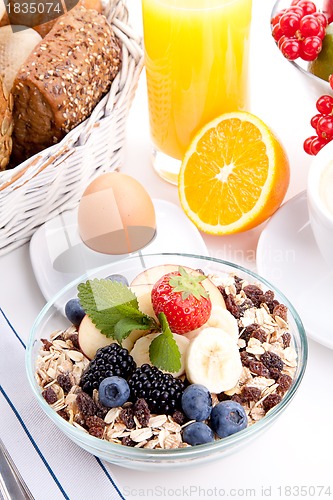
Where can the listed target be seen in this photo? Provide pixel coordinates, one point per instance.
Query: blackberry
(109, 361)
(161, 391)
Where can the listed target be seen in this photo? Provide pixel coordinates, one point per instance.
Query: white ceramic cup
(320, 201)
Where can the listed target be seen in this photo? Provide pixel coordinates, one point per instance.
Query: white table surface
(296, 451)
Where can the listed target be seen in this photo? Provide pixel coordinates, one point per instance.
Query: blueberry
(198, 433)
(119, 278)
(227, 418)
(197, 402)
(113, 391)
(74, 311)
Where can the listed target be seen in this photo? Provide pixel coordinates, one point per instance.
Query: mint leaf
(163, 350)
(109, 303)
(125, 326)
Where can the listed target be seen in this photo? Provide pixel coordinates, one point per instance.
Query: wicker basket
(53, 181)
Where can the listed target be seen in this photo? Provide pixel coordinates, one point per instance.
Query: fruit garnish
(141, 352)
(299, 30)
(181, 296)
(161, 390)
(227, 418)
(198, 433)
(328, 10)
(234, 175)
(323, 125)
(213, 360)
(113, 308)
(163, 350)
(113, 391)
(110, 360)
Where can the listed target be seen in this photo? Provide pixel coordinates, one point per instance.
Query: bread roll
(63, 80)
(6, 126)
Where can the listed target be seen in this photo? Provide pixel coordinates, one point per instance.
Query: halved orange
(234, 174)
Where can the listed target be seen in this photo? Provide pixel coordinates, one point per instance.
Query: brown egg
(116, 215)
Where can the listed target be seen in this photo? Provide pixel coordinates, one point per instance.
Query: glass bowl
(315, 85)
(51, 318)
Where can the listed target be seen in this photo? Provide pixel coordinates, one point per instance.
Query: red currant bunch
(299, 30)
(323, 125)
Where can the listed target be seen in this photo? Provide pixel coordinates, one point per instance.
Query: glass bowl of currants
(303, 33)
(166, 360)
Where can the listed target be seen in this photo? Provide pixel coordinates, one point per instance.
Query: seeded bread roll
(62, 80)
(6, 125)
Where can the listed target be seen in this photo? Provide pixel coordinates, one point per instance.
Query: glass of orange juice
(196, 58)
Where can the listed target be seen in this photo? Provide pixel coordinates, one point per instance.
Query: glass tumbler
(196, 58)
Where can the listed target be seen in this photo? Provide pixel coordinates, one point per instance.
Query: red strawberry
(182, 298)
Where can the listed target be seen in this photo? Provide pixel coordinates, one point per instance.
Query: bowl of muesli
(166, 359)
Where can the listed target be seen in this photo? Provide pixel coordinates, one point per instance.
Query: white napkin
(52, 466)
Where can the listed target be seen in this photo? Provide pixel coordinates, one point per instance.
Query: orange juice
(196, 56)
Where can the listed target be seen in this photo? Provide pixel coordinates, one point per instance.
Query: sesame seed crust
(62, 80)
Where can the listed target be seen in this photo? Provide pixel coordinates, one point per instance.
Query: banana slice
(213, 360)
(140, 351)
(15, 47)
(219, 318)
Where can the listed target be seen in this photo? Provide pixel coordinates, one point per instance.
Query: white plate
(58, 255)
(288, 256)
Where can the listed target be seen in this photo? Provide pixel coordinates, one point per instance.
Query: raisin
(238, 283)
(232, 306)
(223, 397)
(46, 344)
(141, 411)
(127, 441)
(127, 417)
(284, 382)
(259, 334)
(64, 382)
(74, 338)
(286, 337)
(94, 421)
(101, 410)
(248, 330)
(222, 291)
(282, 311)
(246, 304)
(269, 300)
(272, 361)
(255, 294)
(274, 373)
(49, 395)
(259, 368)
(246, 358)
(97, 432)
(63, 414)
(254, 331)
(86, 404)
(179, 417)
(237, 399)
(250, 394)
(271, 401)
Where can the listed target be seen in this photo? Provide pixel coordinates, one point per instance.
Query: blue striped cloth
(52, 466)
